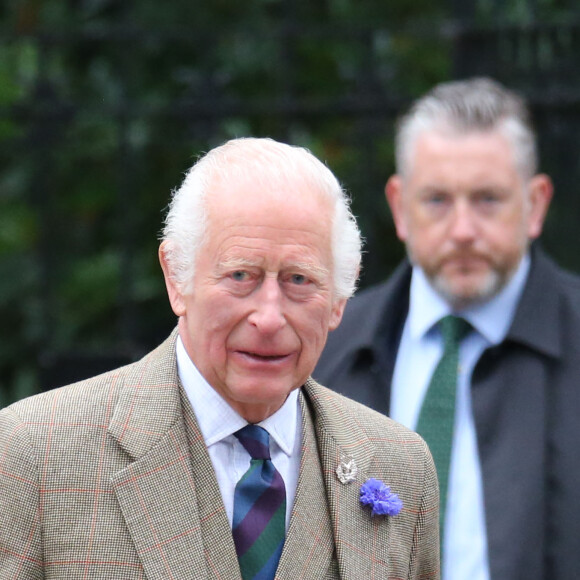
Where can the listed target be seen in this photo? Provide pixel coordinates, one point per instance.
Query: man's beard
(493, 282)
(489, 287)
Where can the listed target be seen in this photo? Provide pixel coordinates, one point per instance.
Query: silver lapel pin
(346, 470)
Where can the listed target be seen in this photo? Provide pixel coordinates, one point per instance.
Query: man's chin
(465, 292)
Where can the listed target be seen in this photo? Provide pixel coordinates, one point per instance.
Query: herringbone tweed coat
(110, 478)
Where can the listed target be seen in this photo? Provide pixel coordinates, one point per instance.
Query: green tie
(437, 415)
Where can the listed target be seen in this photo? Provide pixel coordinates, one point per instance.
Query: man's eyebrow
(429, 189)
(309, 268)
(490, 189)
(235, 263)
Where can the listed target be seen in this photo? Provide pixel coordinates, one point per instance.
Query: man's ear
(173, 290)
(336, 313)
(394, 195)
(540, 194)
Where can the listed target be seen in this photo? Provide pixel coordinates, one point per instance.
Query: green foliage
(104, 104)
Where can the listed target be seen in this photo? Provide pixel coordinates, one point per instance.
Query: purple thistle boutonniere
(379, 496)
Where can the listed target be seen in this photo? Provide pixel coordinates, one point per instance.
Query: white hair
(273, 164)
(469, 106)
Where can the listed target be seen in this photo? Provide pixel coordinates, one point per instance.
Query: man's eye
(240, 276)
(437, 199)
(488, 198)
(299, 279)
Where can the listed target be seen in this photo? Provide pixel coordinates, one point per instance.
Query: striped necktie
(259, 522)
(437, 415)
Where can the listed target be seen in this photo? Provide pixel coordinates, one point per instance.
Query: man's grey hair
(469, 106)
(277, 166)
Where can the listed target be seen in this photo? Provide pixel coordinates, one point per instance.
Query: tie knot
(256, 441)
(453, 329)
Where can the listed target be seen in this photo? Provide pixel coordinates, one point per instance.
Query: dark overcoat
(526, 403)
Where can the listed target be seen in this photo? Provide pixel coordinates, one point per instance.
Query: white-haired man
(216, 456)
(496, 397)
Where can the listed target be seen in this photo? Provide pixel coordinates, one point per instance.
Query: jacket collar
(537, 323)
(156, 491)
(149, 396)
(391, 300)
(537, 328)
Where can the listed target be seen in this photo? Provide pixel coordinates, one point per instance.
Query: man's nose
(267, 315)
(463, 226)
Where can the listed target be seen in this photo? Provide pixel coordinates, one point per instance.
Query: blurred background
(105, 103)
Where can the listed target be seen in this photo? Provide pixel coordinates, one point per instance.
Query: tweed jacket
(526, 405)
(110, 478)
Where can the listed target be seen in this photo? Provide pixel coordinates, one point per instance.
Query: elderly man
(216, 456)
(476, 342)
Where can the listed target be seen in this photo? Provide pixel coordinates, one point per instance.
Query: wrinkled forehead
(249, 218)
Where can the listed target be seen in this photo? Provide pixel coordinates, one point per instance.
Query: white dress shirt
(218, 422)
(421, 347)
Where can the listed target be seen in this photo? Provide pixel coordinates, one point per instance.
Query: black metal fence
(98, 122)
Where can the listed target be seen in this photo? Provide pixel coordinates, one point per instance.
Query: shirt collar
(217, 420)
(426, 307)
(491, 319)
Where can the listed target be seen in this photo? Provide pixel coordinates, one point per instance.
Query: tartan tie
(259, 523)
(437, 415)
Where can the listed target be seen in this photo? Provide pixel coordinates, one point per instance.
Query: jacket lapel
(352, 524)
(309, 545)
(219, 549)
(157, 491)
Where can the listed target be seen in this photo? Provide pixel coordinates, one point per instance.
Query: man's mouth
(263, 356)
(466, 262)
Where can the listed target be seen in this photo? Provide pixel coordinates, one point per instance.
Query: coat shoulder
(367, 315)
(84, 398)
(367, 301)
(93, 396)
(342, 414)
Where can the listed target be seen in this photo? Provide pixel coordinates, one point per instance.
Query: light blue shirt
(465, 541)
(218, 422)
